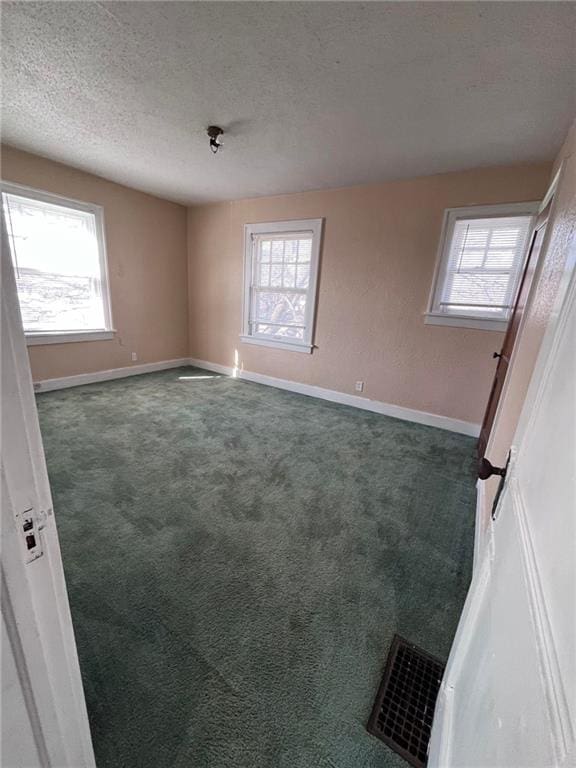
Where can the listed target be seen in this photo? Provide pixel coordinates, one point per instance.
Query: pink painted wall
(379, 253)
(147, 263)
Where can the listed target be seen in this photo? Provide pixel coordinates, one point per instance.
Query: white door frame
(35, 606)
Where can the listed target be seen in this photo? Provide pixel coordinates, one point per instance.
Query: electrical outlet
(134, 357)
(359, 386)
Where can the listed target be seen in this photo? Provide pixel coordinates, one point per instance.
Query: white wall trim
(47, 385)
(465, 321)
(376, 406)
(270, 342)
(41, 339)
(225, 370)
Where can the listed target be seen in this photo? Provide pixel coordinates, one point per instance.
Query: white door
(509, 693)
(43, 713)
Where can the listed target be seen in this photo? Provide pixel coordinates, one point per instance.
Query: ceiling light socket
(214, 133)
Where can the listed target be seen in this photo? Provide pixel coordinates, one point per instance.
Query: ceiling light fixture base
(214, 133)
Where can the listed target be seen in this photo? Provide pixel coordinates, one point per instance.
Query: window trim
(65, 337)
(451, 216)
(273, 228)
(34, 338)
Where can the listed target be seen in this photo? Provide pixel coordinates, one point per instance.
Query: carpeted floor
(238, 559)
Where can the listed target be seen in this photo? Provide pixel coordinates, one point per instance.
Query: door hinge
(29, 523)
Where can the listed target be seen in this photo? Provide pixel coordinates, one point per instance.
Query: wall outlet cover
(134, 357)
(359, 387)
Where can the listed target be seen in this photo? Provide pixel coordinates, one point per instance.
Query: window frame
(315, 226)
(451, 216)
(34, 338)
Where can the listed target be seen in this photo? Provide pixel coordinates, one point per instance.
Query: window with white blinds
(481, 262)
(59, 263)
(281, 263)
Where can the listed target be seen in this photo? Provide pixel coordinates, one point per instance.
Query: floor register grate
(404, 706)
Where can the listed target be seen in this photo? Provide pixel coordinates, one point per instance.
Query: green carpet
(238, 559)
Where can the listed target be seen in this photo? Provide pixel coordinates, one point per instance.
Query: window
(481, 257)
(281, 266)
(57, 249)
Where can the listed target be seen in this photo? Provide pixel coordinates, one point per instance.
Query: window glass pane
(57, 265)
(276, 276)
(59, 302)
(304, 250)
(284, 263)
(277, 250)
(281, 308)
(480, 289)
(289, 276)
(264, 279)
(303, 276)
(285, 333)
(290, 250)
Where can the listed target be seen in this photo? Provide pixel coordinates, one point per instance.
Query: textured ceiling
(311, 95)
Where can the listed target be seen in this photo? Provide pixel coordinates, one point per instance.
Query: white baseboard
(225, 370)
(387, 409)
(47, 385)
(376, 406)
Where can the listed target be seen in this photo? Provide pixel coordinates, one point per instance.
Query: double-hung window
(481, 258)
(57, 249)
(280, 273)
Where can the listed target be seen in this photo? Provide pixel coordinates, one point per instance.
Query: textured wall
(146, 245)
(380, 245)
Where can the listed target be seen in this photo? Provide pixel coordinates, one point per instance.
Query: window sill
(463, 321)
(34, 339)
(301, 347)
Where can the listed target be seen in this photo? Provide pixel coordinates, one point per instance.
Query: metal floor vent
(404, 707)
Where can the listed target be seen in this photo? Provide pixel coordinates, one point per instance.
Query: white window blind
(481, 264)
(280, 289)
(58, 264)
